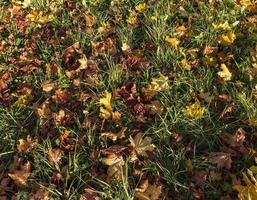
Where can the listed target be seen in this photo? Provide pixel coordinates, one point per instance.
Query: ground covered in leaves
(128, 99)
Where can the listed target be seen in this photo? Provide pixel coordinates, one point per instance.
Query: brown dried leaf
(20, 177)
(143, 185)
(153, 192)
(55, 155)
(90, 20)
(40, 194)
(200, 178)
(234, 140)
(48, 86)
(90, 195)
(226, 110)
(115, 136)
(26, 145)
(221, 159)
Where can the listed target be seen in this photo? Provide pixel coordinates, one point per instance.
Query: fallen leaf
(20, 177)
(172, 41)
(153, 192)
(48, 86)
(26, 145)
(227, 38)
(114, 136)
(195, 110)
(200, 178)
(55, 155)
(221, 159)
(234, 140)
(142, 144)
(89, 194)
(224, 74)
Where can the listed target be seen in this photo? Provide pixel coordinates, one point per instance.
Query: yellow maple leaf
(132, 19)
(222, 26)
(194, 110)
(106, 107)
(141, 7)
(39, 17)
(105, 27)
(227, 38)
(157, 84)
(252, 122)
(224, 74)
(172, 41)
(249, 4)
(249, 191)
(185, 65)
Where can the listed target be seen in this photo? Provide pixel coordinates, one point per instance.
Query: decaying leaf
(48, 86)
(200, 178)
(221, 159)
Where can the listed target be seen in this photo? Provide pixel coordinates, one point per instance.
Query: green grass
(37, 53)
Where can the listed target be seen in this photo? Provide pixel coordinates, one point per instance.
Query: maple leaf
(106, 101)
(157, 85)
(248, 192)
(142, 144)
(26, 145)
(222, 26)
(153, 192)
(114, 136)
(194, 110)
(224, 74)
(55, 155)
(234, 140)
(89, 194)
(20, 177)
(141, 7)
(227, 39)
(115, 171)
(252, 122)
(39, 194)
(221, 159)
(185, 65)
(132, 19)
(106, 107)
(172, 41)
